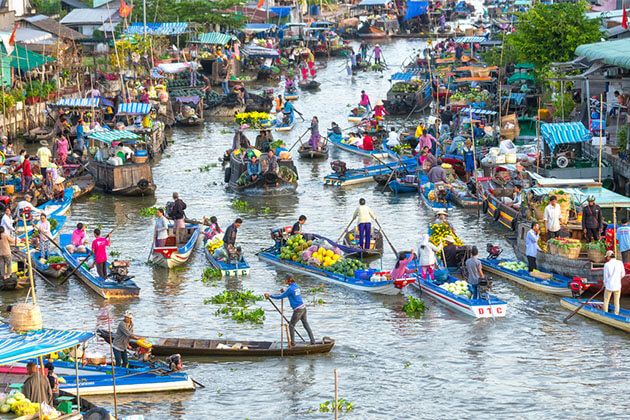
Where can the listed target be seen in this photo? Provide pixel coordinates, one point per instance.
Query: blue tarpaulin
(281, 11)
(133, 108)
(564, 133)
(416, 8)
(16, 346)
(374, 2)
(165, 28)
(405, 77)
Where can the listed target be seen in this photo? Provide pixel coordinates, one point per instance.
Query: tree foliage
(551, 33)
(199, 11)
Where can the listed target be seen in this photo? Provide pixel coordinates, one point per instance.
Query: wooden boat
(134, 383)
(171, 254)
(291, 95)
(478, 308)
(388, 287)
(373, 33)
(228, 269)
(358, 114)
(556, 285)
(405, 102)
(492, 204)
(283, 183)
(463, 196)
(338, 141)
(106, 288)
(434, 205)
(307, 152)
(364, 175)
(38, 134)
(409, 184)
(351, 239)
(594, 311)
(82, 185)
(52, 270)
(310, 85)
(281, 126)
(229, 348)
(190, 121)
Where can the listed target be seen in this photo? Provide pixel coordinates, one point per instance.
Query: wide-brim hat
(449, 238)
(379, 102)
(129, 314)
(439, 212)
(43, 142)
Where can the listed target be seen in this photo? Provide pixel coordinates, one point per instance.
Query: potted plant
(595, 251)
(33, 92)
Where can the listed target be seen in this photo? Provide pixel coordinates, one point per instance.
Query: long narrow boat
(594, 311)
(281, 126)
(106, 288)
(171, 255)
(434, 205)
(338, 141)
(228, 270)
(133, 383)
(478, 308)
(50, 208)
(556, 285)
(229, 348)
(388, 287)
(359, 116)
(54, 232)
(351, 239)
(307, 152)
(364, 175)
(493, 205)
(49, 269)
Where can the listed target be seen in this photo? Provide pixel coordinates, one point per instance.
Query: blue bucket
(364, 274)
(141, 153)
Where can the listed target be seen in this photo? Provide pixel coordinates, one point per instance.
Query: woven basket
(595, 256)
(553, 249)
(539, 213)
(571, 253)
(26, 317)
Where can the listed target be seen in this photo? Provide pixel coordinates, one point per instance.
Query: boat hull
(336, 141)
(169, 257)
(558, 288)
(141, 383)
(593, 310)
(228, 271)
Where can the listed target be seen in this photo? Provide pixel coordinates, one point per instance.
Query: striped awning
(564, 133)
(192, 99)
(405, 77)
(134, 108)
(469, 39)
(15, 347)
(214, 38)
(499, 21)
(166, 28)
(78, 102)
(478, 111)
(113, 135)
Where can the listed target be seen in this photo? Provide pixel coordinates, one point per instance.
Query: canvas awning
(78, 103)
(258, 27)
(564, 133)
(16, 346)
(173, 67)
(614, 53)
(113, 135)
(255, 51)
(134, 108)
(214, 38)
(416, 8)
(281, 11)
(164, 28)
(478, 111)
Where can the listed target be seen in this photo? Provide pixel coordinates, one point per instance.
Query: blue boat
(434, 205)
(338, 141)
(61, 221)
(478, 308)
(366, 174)
(594, 311)
(132, 383)
(49, 208)
(227, 269)
(358, 114)
(542, 281)
(106, 288)
(281, 126)
(291, 94)
(384, 287)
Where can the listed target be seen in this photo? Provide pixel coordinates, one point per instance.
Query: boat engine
(174, 362)
(234, 254)
(339, 167)
(441, 194)
(493, 251)
(577, 287)
(118, 271)
(281, 235)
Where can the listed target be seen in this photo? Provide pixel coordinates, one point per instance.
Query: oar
(390, 177)
(91, 252)
(285, 318)
(383, 232)
(152, 247)
(298, 140)
(345, 230)
(582, 305)
(299, 113)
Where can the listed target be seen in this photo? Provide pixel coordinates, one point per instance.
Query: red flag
(11, 41)
(624, 19)
(124, 9)
(260, 4)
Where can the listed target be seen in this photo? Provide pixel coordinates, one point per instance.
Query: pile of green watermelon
(295, 245)
(346, 267)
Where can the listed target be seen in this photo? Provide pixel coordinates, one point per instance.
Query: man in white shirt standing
(614, 271)
(365, 216)
(7, 222)
(552, 217)
(392, 139)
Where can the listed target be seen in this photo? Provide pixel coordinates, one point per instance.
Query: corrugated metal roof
(614, 53)
(564, 133)
(89, 16)
(32, 36)
(215, 38)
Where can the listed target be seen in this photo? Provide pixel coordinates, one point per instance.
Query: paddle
(345, 230)
(92, 252)
(582, 305)
(390, 177)
(299, 140)
(285, 318)
(152, 247)
(383, 232)
(299, 113)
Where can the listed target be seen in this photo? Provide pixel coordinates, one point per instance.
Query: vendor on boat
(426, 257)
(368, 143)
(392, 139)
(287, 113)
(178, 215)
(335, 129)
(7, 222)
(614, 271)
(229, 241)
(447, 119)
(78, 240)
(517, 198)
(553, 212)
(400, 269)
(469, 159)
(43, 226)
(36, 387)
(365, 101)
(426, 140)
(315, 136)
(297, 226)
(269, 163)
(6, 240)
(253, 169)
(213, 228)
(364, 215)
(299, 309)
(441, 218)
(379, 111)
(26, 205)
(453, 254)
(279, 103)
(240, 141)
(124, 334)
(437, 174)
(592, 222)
(532, 247)
(161, 229)
(478, 132)
(99, 248)
(623, 236)
(475, 272)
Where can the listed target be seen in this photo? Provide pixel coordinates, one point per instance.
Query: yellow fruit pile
(440, 231)
(326, 257)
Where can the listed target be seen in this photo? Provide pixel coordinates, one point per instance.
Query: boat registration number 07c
(488, 310)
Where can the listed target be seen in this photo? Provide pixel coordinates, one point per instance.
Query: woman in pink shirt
(401, 269)
(99, 248)
(78, 240)
(62, 150)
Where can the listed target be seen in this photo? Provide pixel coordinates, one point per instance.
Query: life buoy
(497, 213)
(228, 174)
(562, 162)
(484, 206)
(28, 214)
(143, 184)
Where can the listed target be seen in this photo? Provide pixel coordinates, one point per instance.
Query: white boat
(171, 255)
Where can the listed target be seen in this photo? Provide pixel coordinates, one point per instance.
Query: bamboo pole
(111, 355)
(76, 378)
(601, 133)
(282, 328)
(500, 68)
(336, 395)
(615, 229)
(538, 137)
(28, 257)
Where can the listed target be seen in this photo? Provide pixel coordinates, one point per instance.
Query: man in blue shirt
(253, 169)
(623, 236)
(299, 310)
(531, 246)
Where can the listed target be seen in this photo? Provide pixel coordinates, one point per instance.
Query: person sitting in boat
(253, 169)
(517, 198)
(270, 162)
(365, 101)
(368, 143)
(355, 140)
(475, 272)
(426, 257)
(58, 191)
(287, 113)
(213, 228)
(315, 136)
(120, 343)
(53, 380)
(453, 254)
(437, 174)
(430, 160)
(336, 130)
(229, 242)
(441, 218)
(297, 226)
(400, 269)
(78, 240)
(299, 309)
(240, 140)
(392, 139)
